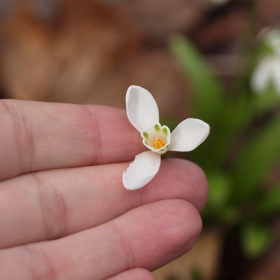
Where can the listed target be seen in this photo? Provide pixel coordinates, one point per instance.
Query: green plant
(241, 150)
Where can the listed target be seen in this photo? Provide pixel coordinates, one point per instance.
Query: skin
(64, 213)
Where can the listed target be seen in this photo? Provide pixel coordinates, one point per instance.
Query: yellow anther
(158, 143)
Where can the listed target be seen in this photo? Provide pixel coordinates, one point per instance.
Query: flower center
(158, 143)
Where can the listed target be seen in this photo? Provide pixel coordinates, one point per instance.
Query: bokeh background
(197, 58)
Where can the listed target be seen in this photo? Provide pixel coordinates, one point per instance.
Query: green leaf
(256, 159)
(264, 101)
(270, 203)
(208, 92)
(255, 239)
(220, 189)
(229, 214)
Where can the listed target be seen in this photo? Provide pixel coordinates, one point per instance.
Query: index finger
(36, 136)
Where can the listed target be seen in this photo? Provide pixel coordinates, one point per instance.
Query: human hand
(64, 213)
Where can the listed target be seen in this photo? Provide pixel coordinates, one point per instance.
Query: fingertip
(171, 229)
(186, 225)
(181, 179)
(199, 183)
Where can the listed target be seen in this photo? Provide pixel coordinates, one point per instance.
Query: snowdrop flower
(272, 39)
(142, 112)
(267, 71)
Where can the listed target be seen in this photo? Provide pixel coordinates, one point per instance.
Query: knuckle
(95, 140)
(125, 247)
(22, 134)
(53, 208)
(39, 266)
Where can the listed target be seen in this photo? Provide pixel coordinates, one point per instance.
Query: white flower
(267, 71)
(271, 37)
(142, 112)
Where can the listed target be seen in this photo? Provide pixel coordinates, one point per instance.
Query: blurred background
(217, 60)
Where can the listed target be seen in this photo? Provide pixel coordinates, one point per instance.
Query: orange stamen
(158, 143)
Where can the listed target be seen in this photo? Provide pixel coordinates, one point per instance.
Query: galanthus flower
(142, 112)
(271, 37)
(265, 74)
(267, 71)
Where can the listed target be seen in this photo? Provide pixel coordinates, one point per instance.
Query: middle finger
(55, 203)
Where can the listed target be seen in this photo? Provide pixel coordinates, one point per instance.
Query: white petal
(188, 135)
(276, 75)
(141, 171)
(261, 76)
(141, 107)
(272, 38)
